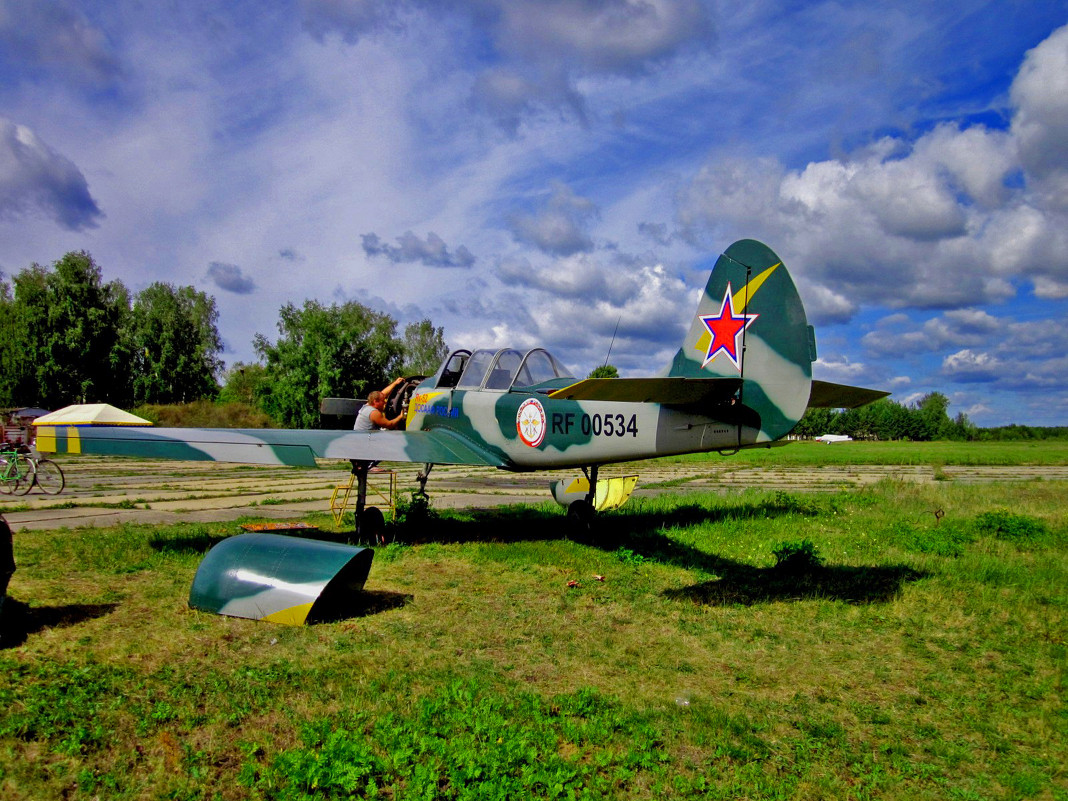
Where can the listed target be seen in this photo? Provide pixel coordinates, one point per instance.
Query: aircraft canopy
(502, 369)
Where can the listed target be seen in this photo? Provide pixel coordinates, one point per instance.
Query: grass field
(908, 641)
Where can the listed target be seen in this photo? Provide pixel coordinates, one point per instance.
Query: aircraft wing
(675, 391)
(266, 445)
(825, 395)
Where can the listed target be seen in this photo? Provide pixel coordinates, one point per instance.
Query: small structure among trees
(927, 419)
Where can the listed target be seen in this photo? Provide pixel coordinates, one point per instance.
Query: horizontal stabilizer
(673, 391)
(825, 395)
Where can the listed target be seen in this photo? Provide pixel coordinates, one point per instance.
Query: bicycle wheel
(49, 477)
(8, 476)
(26, 475)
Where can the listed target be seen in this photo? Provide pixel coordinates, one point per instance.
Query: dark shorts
(7, 556)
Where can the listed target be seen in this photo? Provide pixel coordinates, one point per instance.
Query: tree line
(925, 420)
(68, 336)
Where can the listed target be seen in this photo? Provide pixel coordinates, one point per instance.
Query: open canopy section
(90, 414)
(501, 370)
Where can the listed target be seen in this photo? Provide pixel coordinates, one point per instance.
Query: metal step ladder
(381, 493)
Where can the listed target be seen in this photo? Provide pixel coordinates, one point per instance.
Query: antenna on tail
(613, 342)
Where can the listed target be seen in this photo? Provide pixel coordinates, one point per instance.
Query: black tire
(49, 477)
(580, 515)
(27, 473)
(371, 526)
(7, 484)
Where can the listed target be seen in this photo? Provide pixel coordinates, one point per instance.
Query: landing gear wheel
(371, 526)
(580, 516)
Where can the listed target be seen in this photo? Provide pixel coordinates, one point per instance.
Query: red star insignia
(726, 329)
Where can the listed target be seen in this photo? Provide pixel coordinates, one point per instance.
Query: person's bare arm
(391, 387)
(382, 421)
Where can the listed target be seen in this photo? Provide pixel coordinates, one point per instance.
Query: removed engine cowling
(286, 580)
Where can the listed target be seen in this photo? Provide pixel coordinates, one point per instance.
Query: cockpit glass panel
(539, 366)
(476, 368)
(504, 369)
(452, 368)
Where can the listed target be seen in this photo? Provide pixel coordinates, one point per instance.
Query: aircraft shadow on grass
(641, 534)
(21, 620)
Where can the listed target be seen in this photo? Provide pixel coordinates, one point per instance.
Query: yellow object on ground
(611, 492)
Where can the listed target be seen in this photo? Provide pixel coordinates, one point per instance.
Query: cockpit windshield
(476, 368)
(539, 366)
(501, 369)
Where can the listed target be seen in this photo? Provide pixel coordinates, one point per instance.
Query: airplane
(741, 378)
(830, 439)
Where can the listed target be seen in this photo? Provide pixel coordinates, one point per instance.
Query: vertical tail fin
(750, 324)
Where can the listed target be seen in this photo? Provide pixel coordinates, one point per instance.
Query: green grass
(806, 453)
(749, 645)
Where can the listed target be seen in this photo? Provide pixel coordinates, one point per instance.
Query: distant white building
(829, 438)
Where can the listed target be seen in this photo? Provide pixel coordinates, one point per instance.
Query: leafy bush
(414, 510)
(945, 539)
(629, 557)
(1005, 525)
(797, 557)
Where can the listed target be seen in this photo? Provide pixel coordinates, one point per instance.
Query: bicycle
(48, 476)
(17, 472)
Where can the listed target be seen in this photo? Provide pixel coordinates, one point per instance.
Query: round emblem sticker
(530, 422)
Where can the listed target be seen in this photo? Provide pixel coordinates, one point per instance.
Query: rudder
(751, 324)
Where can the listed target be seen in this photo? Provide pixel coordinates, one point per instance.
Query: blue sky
(529, 172)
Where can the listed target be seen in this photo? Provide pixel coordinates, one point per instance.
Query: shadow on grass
(360, 604)
(200, 543)
(746, 585)
(19, 620)
(523, 523)
(186, 543)
(641, 535)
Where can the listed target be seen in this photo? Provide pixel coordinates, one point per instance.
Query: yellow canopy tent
(61, 426)
(90, 414)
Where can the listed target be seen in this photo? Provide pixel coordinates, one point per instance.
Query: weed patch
(797, 558)
(1015, 528)
(948, 539)
(465, 742)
